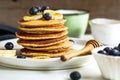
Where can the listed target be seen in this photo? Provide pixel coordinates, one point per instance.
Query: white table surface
(88, 72)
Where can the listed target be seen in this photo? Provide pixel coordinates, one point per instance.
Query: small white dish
(106, 31)
(45, 64)
(109, 65)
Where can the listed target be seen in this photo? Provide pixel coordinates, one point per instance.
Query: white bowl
(106, 31)
(109, 65)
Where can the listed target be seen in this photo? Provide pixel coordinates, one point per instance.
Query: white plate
(44, 64)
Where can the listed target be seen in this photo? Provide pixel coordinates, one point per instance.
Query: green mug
(77, 22)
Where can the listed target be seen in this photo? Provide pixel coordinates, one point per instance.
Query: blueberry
(75, 75)
(44, 8)
(47, 16)
(21, 56)
(107, 49)
(34, 10)
(102, 52)
(119, 46)
(39, 8)
(114, 52)
(9, 45)
(116, 48)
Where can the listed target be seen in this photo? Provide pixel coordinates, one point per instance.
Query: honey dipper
(91, 44)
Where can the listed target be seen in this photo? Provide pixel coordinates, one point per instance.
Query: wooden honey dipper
(91, 44)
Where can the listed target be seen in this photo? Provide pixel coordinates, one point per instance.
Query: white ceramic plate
(44, 64)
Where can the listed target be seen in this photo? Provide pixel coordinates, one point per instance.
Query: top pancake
(42, 22)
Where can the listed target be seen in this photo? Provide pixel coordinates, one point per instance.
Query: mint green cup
(77, 22)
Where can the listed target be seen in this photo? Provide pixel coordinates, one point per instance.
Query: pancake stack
(41, 37)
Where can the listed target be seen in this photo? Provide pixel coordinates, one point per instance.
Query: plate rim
(43, 60)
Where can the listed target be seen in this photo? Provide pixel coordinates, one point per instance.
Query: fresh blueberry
(39, 8)
(116, 48)
(102, 52)
(9, 45)
(47, 16)
(75, 75)
(119, 46)
(21, 56)
(114, 52)
(107, 49)
(34, 10)
(44, 8)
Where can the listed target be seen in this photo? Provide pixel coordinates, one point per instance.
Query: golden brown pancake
(42, 22)
(53, 48)
(30, 36)
(42, 26)
(31, 53)
(42, 43)
(44, 29)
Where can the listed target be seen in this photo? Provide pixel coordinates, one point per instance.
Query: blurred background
(13, 10)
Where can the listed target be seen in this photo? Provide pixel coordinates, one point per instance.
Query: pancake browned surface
(41, 22)
(32, 53)
(57, 47)
(41, 43)
(30, 36)
(43, 29)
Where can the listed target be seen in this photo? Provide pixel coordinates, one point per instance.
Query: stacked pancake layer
(44, 38)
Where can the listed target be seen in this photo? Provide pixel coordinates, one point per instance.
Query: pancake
(31, 53)
(44, 29)
(53, 48)
(42, 26)
(30, 36)
(42, 43)
(42, 22)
